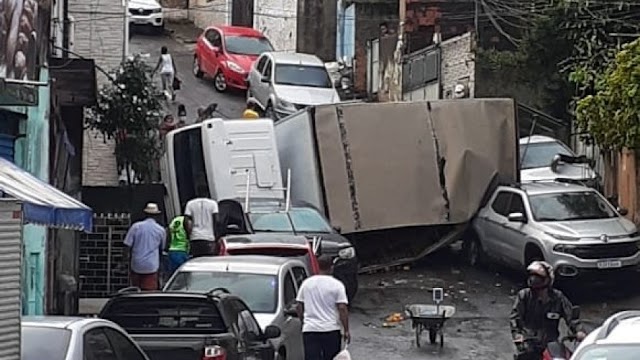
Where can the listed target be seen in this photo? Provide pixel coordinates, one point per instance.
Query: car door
(291, 325)
(208, 51)
(125, 349)
(489, 223)
(255, 77)
(513, 234)
(250, 335)
(264, 88)
(96, 346)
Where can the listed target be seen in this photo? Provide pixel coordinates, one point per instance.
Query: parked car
(615, 339)
(572, 227)
(75, 338)
(268, 285)
(212, 325)
(546, 158)
(282, 83)
(281, 245)
(307, 221)
(146, 13)
(226, 53)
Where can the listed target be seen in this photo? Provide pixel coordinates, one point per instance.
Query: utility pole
(65, 28)
(396, 88)
(125, 42)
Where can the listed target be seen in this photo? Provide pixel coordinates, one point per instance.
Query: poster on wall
(24, 34)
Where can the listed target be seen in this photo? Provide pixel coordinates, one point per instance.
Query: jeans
(167, 82)
(321, 345)
(176, 258)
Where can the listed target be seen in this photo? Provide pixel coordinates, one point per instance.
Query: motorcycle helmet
(540, 274)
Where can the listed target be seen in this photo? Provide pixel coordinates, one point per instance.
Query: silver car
(572, 227)
(74, 338)
(282, 83)
(267, 284)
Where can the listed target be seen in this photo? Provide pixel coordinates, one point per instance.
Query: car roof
(295, 58)
(549, 187)
(57, 322)
(253, 264)
(267, 239)
(237, 31)
(536, 139)
(620, 328)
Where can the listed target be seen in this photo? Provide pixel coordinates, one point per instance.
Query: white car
(146, 13)
(281, 83)
(616, 339)
(541, 160)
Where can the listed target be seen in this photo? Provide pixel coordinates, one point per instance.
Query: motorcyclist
(538, 309)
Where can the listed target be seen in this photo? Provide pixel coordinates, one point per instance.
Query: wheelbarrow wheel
(433, 333)
(418, 331)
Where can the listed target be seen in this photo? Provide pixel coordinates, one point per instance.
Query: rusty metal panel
(10, 279)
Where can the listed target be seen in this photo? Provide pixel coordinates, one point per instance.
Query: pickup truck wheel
(269, 112)
(473, 250)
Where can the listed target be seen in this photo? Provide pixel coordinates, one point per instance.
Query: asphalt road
(194, 92)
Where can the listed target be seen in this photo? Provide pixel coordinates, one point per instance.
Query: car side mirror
(517, 217)
(271, 332)
(337, 229)
(265, 79)
(623, 211)
(575, 312)
(216, 50)
(291, 310)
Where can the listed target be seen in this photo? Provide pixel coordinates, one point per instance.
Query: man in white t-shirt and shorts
(322, 309)
(201, 214)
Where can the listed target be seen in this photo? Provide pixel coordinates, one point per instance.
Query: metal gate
(242, 13)
(10, 278)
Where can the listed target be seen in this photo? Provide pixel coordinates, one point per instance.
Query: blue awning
(43, 204)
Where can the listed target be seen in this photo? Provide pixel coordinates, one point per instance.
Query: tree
(612, 113)
(129, 112)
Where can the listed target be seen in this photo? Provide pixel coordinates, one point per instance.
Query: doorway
(242, 13)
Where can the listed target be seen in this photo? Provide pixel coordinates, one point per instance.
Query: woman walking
(168, 72)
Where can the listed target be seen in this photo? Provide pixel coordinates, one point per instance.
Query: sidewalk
(183, 31)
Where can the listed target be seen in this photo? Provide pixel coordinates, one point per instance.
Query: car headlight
(564, 248)
(563, 237)
(156, 11)
(347, 253)
(234, 67)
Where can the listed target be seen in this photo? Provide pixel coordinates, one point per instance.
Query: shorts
(147, 282)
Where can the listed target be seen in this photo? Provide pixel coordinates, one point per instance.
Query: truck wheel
(269, 112)
(473, 250)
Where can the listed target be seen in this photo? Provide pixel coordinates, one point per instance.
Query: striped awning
(43, 204)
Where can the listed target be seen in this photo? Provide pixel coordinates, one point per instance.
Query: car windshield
(258, 291)
(611, 352)
(37, 341)
(247, 45)
(302, 75)
(304, 221)
(583, 205)
(537, 155)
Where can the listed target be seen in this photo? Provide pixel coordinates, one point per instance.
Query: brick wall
(99, 35)
(458, 64)
(101, 256)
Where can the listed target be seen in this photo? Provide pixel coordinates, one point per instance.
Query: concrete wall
(206, 13)
(316, 28)
(99, 35)
(458, 64)
(277, 19)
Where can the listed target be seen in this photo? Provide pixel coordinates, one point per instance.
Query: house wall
(99, 35)
(458, 64)
(206, 13)
(316, 29)
(277, 19)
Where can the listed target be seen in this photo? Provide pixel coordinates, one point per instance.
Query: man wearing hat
(145, 239)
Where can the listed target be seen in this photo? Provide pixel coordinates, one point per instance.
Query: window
(517, 205)
(247, 324)
(261, 63)
(247, 45)
(302, 75)
(289, 289)
(300, 274)
(259, 291)
(123, 346)
(97, 346)
(304, 220)
(267, 69)
(213, 37)
(501, 203)
(536, 155)
(191, 172)
(579, 205)
(32, 344)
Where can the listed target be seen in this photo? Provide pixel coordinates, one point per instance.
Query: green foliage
(612, 114)
(128, 112)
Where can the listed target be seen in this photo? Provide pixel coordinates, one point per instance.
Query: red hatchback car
(226, 54)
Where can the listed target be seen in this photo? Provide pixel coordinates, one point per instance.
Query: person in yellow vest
(250, 114)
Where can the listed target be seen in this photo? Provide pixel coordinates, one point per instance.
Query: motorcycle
(531, 348)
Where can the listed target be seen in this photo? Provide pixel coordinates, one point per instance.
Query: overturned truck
(400, 179)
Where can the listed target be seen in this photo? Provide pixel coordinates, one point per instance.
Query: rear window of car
(38, 341)
(171, 315)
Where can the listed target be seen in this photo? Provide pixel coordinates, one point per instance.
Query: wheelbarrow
(430, 318)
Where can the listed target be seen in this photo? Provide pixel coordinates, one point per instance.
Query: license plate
(140, 21)
(609, 264)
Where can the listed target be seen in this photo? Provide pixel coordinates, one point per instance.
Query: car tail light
(315, 267)
(214, 352)
(222, 247)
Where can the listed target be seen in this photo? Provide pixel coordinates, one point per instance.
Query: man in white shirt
(201, 214)
(322, 308)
